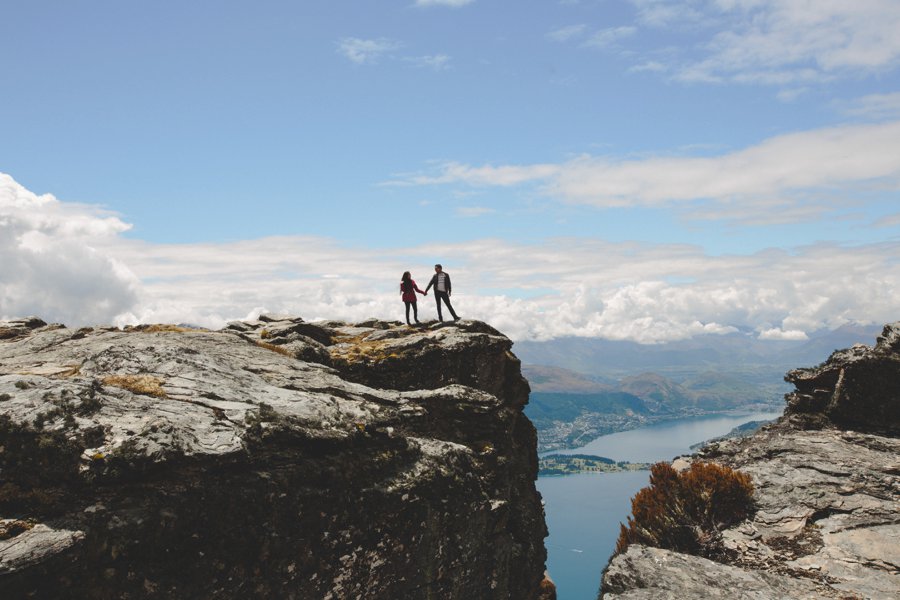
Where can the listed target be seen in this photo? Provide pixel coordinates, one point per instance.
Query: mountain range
(611, 360)
(586, 387)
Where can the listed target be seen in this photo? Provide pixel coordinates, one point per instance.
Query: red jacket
(410, 296)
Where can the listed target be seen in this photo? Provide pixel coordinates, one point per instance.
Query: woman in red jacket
(408, 289)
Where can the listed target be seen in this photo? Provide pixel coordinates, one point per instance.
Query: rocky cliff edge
(827, 479)
(272, 459)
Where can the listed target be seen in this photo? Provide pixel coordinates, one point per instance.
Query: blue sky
(633, 169)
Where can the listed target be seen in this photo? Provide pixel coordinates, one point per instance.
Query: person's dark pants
(438, 296)
(415, 312)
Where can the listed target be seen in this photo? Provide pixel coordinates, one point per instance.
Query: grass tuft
(275, 348)
(138, 384)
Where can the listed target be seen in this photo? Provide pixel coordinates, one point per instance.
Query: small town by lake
(584, 510)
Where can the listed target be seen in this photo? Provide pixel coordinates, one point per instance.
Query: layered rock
(272, 459)
(857, 388)
(827, 479)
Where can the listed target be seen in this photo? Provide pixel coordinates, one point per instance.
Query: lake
(584, 511)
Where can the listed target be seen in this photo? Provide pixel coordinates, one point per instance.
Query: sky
(647, 170)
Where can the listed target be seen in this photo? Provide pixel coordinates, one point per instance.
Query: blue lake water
(584, 511)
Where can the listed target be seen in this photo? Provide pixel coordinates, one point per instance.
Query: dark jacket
(434, 279)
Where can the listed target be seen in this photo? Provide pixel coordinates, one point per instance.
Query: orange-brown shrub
(686, 511)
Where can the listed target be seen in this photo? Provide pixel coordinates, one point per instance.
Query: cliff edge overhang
(276, 458)
(827, 492)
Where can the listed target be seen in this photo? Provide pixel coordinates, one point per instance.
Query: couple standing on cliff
(441, 283)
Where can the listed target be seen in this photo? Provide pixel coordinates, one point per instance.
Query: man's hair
(438, 267)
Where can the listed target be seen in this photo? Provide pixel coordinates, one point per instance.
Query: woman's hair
(406, 276)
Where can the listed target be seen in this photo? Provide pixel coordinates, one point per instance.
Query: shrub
(686, 511)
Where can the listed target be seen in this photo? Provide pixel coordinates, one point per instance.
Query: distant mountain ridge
(612, 359)
(591, 387)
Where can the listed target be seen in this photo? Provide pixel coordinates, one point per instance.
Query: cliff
(827, 494)
(272, 459)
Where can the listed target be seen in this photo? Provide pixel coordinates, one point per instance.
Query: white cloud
(662, 13)
(789, 95)
(786, 175)
(450, 3)
(363, 51)
(507, 175)
(824, 158)
(437, 62)
(874, 106)
(564, 34)
(474, 211)
(782, 42)
(888, 221)
(651, 66)
(607, 37)
(780, 334)
(50, 264)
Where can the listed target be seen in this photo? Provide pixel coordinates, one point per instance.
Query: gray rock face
(643, 573)
(827, 480)
(857, 388)
(273, 459)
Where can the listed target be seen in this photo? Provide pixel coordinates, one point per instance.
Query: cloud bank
(67, 263)
(786, 41)
(50, 264)
(781, 42)
(564, 287)
(362, 51)
(777, 180)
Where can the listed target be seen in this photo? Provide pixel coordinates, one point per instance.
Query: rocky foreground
(272, 459)
(827, 479)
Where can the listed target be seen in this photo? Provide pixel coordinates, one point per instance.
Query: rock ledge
(272, 459)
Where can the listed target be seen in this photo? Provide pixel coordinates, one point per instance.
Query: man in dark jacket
(441, 283)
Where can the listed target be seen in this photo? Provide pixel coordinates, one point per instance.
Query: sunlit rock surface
(827, 479)
(273, 459)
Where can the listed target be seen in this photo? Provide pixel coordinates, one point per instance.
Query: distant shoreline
(559, 465)
(601, 429)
